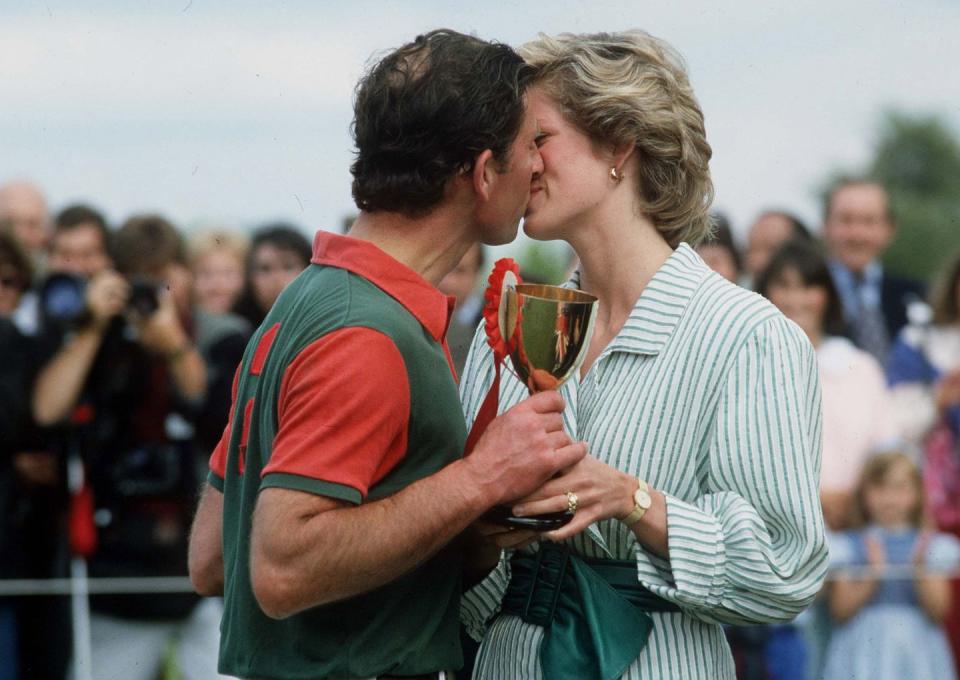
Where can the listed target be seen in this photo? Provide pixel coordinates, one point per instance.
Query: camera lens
(62, 298)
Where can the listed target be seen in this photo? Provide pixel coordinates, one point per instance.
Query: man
(768, 232)
(858, 227)
(131, 366)
(461, 283)
(339, 486)
(24, 208)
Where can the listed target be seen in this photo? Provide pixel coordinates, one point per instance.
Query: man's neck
(431, 245)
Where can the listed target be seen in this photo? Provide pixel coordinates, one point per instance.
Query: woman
(278, 253)
(858, 417)
(698, 400)
(719, 251)
(217, 261)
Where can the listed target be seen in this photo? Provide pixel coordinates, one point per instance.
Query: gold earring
(615, 174)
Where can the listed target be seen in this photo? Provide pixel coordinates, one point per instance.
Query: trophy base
(502, 516)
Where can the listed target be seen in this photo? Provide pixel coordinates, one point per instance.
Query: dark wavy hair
(808, 260)
(425, 111)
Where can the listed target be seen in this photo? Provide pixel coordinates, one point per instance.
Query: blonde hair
(632, 88)
(874, 473)
(204, 242)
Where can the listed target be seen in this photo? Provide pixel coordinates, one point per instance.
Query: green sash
(594, 612)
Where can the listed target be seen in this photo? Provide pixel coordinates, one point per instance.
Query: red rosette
(504, 270)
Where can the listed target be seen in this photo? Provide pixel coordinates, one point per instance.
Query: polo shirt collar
(421, 298)
(660, 307)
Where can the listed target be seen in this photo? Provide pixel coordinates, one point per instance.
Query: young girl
(890, 590)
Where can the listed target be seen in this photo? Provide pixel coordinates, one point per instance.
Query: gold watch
(643, 502)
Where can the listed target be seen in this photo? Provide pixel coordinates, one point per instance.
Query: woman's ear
(620, 157)
(484, 175)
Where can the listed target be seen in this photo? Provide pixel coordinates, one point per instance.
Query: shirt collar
(856, 294)
(660, 307)
(421, 298)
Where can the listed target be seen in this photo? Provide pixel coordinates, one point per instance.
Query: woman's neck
(617, 261)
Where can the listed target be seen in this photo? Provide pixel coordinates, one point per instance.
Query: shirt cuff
(319, 487)
(698, 556)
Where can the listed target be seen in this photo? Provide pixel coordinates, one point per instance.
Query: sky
(236, 113)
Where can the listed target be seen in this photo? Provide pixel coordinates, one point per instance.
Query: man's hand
(523, 448)
(36, 467)
(162, 332)
(107, 295)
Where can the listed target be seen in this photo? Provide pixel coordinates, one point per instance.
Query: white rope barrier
(181, 584)
(96, 586)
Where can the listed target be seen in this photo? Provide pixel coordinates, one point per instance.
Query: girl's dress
(891, 637)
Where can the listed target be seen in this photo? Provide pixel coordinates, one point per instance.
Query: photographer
(129, 365)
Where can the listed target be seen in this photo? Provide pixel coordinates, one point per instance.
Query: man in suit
(858, 227)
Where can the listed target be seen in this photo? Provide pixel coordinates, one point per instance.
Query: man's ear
(484, 175)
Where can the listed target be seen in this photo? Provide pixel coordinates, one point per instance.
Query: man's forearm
(334, 554)
(60, 382)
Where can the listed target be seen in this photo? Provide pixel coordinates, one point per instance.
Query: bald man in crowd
(24, 209)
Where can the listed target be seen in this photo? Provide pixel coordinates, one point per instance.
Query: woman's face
(273, 268)
(803, 304)
(218, 280)
(719, 260)
(892, 502)
(575, 177)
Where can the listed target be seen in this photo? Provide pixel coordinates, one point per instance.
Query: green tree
(918, 160)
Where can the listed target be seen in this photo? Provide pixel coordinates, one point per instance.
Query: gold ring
(572, 502)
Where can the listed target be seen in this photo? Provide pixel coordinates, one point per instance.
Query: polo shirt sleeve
(752, 548)
(342, 414)
(218, 459)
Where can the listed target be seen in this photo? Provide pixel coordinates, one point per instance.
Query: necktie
(869, 327)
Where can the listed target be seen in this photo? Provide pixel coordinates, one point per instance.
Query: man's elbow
(206, 576)
(281, 594)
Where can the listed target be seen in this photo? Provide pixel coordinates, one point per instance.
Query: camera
(63, 299)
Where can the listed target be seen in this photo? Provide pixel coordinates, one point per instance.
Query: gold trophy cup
(553, 327)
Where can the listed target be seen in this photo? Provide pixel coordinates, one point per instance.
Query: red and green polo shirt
(347, 391)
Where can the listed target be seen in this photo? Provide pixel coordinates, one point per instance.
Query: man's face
(511, 190)
(857, 229)
(765, 237)
(26, 211)
(79, 250)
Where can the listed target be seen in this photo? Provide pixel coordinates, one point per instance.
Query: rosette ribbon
(504, 271)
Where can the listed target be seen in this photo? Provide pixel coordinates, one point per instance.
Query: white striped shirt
(712, 396)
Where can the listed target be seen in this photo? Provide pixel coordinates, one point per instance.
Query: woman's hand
(602, 492)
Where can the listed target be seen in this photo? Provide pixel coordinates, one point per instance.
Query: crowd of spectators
(120, 344)
(119, 351)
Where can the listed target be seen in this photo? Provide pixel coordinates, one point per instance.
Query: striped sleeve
(753, 549)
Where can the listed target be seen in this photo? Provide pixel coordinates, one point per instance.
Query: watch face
(642, 498)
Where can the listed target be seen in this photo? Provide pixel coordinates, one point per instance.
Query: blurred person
(890, 591)
(858, 226)
(130, 363)
(769, 231)
(719, 251)
(462, 283)
(700, 401)
(16, 274)
(32, 494)
(24, 209)
(924, 374)
(338, 489)
(858, 415)
(80, 242)
(217, 259)
(278, 253)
